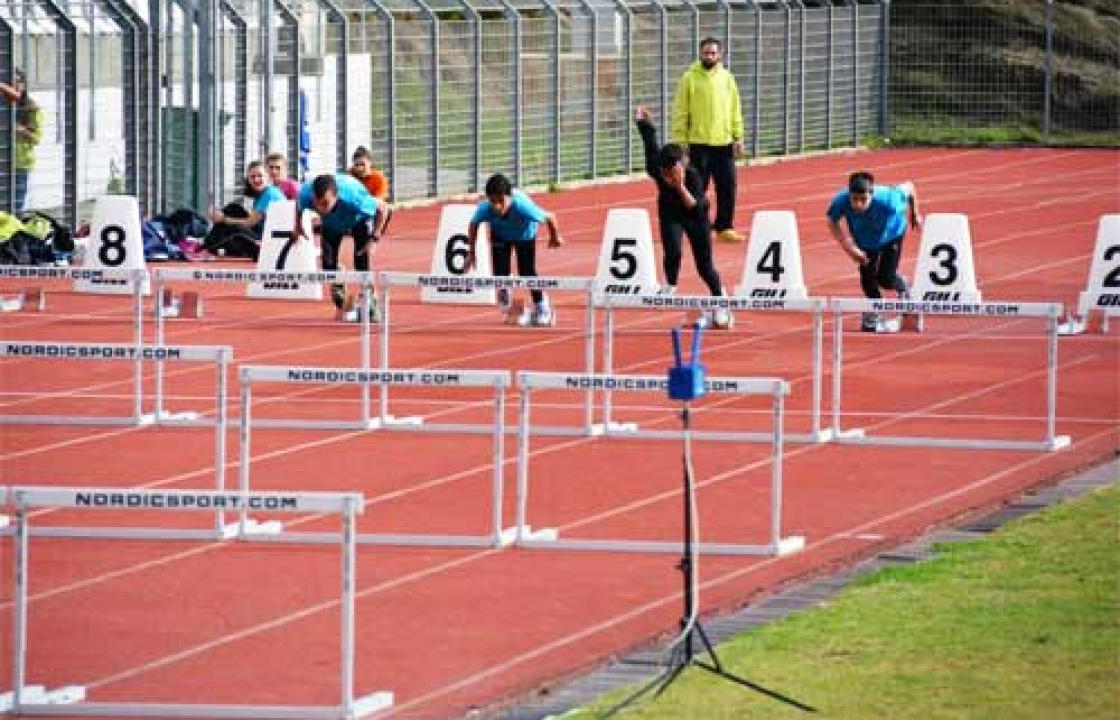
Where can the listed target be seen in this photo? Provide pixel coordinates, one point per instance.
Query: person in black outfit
(682, 208)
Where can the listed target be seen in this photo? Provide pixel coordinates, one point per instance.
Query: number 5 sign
(449, 257)
(115, 243)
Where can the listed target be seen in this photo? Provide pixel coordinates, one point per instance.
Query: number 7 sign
(282, 251)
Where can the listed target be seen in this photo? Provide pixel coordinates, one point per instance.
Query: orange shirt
(376, 183)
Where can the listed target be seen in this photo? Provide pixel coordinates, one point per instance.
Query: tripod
(692, 632)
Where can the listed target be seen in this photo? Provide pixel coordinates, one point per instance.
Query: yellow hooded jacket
(706, 108)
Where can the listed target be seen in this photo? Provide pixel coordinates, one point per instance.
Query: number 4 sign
(115, 243)
(449, 257)
(773, 266)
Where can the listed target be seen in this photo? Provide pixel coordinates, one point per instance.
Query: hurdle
(497, 380)
(162, 276)
(776, 389)
(1050, 312)
(70, 700)
(815, 306)
(453, 283)
(219, 355)
(136, 278)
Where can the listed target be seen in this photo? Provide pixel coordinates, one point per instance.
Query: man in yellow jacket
(708, 119)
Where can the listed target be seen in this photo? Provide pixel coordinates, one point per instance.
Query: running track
(448, 630)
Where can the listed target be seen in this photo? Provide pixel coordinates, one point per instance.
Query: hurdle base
(854, 434)
(39, 695)
(165, 416)
(526, 533)
(1072, 326)
(394, 421)
(783, 546)
(1059, 442)
(374, 702)
(250, 526)
(790, 545)
(11, 305)
(359, 708)
(613, 428)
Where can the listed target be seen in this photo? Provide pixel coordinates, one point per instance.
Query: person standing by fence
(29, 131)
(708, 119)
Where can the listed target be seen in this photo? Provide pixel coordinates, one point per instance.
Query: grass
(1023, 624)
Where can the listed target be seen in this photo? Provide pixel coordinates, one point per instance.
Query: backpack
(157, 244)
(23, 248)
(53, 232)
(232, 241)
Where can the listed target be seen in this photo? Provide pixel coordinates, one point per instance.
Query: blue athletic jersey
(269, 195)
(519, 225)
(882, 222)
(354, 205)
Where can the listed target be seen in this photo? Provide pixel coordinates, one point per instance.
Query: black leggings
(717, 163)
(881, 269)
(700, 238)
(526, 252)
(332, 241)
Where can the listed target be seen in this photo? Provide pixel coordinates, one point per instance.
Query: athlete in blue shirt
(877, 219)
(513, 219)
(346, 208)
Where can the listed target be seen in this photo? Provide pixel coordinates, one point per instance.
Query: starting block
(32, 298)
(516, 312)
(186, 305)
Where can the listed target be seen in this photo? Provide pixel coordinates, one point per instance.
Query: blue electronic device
(686, 382)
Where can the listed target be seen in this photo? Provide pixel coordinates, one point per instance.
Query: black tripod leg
(756, 687)
(658, 683)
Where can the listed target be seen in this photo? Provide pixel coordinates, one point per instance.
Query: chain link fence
(169, 100)
(1005, 70)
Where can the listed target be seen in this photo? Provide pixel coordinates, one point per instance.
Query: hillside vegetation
(980, 65)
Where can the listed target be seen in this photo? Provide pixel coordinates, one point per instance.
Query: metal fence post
(855, 73)
(885, 66)
(1048, 81)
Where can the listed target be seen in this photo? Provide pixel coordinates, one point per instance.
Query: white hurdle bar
(137, 354)
(815, 306)
(389, 280)
(134, 277)
(1051, 312)
(162, 276)
(775, 388)
(70, 701)
(498, 380)
(218, 354)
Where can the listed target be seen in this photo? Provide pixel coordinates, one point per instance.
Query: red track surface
(447, 630)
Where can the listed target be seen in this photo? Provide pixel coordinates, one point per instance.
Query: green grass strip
(1024, 623)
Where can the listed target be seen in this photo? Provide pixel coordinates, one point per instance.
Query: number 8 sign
(449, 257)
(115, 243)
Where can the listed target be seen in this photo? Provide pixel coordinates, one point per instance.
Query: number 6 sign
(449, 257)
